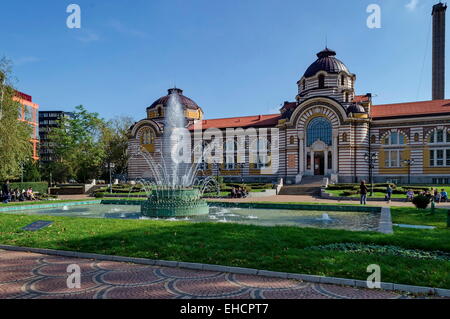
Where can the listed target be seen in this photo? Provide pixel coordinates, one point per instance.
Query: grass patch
(271, 248)
(412, 216)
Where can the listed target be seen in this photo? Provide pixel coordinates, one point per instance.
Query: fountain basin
(174, 202)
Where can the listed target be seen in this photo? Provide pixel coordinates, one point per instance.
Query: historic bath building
(328, 131)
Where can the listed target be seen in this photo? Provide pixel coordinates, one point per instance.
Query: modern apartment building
(47, 121)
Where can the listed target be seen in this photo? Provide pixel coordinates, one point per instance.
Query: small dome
(355, 108)
(326, 62)
(187, 102)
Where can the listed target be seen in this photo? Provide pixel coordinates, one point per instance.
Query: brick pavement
(26, 275)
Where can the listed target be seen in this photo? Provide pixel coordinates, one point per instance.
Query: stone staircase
(310, 185)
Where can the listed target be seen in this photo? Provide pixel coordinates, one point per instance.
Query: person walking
(6, 193)
(389, 191)
(363, 190)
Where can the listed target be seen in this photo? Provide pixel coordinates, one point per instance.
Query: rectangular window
(393, 158)
(440, 158)
(448, 136)
(432, 158)
(387, 162)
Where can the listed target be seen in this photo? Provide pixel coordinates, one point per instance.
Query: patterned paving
(29, 276)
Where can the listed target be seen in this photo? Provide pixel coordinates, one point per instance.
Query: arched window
(319, 129)
(344, 138)
(439, 136)
(347, 97)
(148, 139)
(395, 138)
(342, 80)
(321, 81)
(303, 85)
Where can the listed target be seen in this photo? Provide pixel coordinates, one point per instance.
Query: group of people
(238, 192)
(16, 195)
(433, 194)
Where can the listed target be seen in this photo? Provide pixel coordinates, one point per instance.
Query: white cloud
(412, 5)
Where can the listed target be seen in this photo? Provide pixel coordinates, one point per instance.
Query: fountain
(325, 217)
(176, 190)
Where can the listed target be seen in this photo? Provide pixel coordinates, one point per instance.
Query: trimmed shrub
(99, 195)
(421, 201)
(342, 187)
(349, 193)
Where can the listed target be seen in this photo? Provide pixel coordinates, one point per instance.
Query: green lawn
(405, 215)
(270, 248)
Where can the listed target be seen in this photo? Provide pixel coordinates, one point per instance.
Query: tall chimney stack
(439, 51)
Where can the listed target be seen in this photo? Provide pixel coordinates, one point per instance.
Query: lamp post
(409, 163)
(111, 167)
(371, 158)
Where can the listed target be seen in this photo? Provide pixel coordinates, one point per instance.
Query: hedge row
(40, 187)
(348, 187)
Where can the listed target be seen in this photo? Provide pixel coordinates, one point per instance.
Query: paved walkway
(29, 275)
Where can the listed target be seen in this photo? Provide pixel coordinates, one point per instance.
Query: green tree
(115, 142)
(31, 172)
(15, 146)
(78, 145)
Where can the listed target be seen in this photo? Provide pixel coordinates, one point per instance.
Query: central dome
(187, 102)
(191, 110)
(326, 62)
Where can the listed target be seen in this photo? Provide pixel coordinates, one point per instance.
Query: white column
(301, 151)
(325, 154)
(335, 151)
(312, 163)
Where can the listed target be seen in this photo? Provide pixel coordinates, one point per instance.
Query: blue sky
(234, 58)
